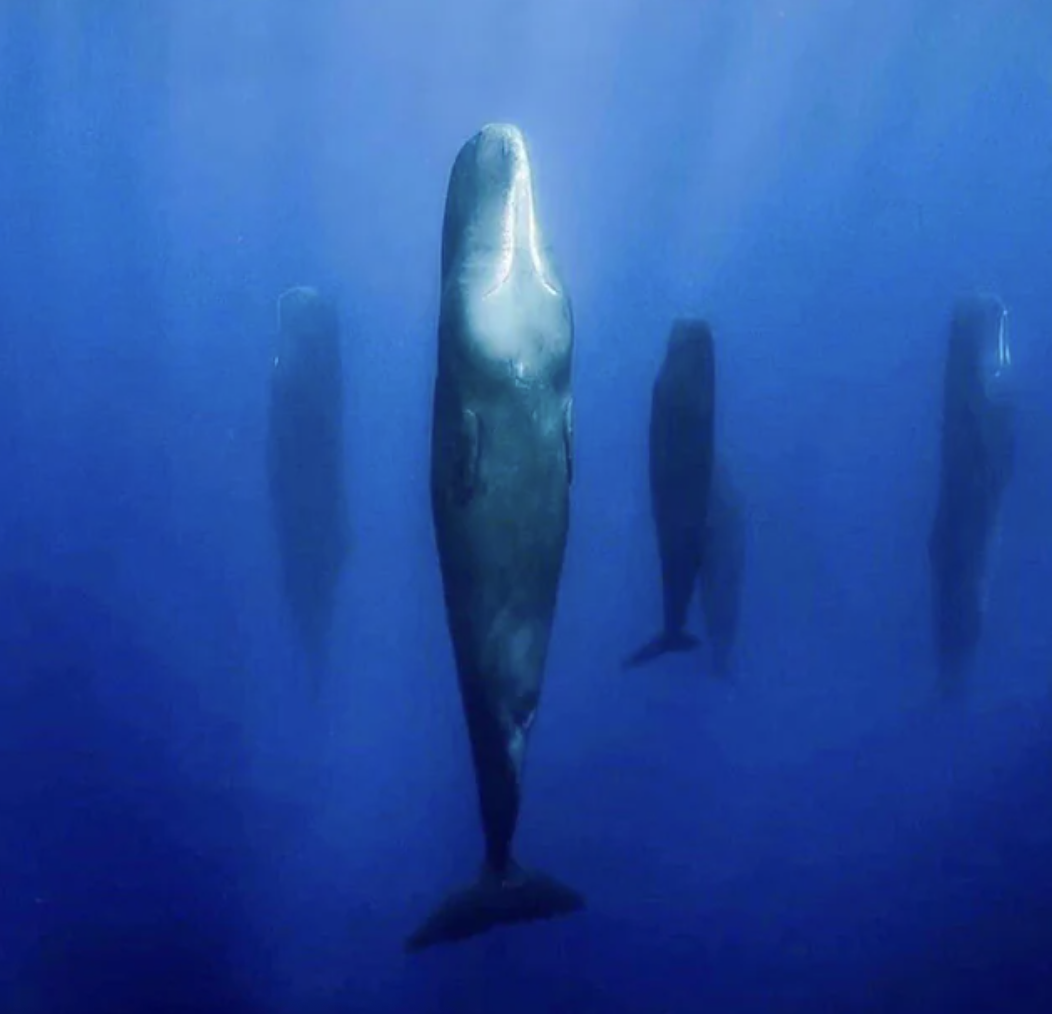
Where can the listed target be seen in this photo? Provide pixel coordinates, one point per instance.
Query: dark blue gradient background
(183, 829)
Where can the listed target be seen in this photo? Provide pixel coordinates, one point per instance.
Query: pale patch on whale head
(980, 344)
(519, 232)
(490, 208)
(996, 350)
(1004, 351)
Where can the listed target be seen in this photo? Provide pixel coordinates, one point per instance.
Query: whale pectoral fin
(568, 440)
(467, 456)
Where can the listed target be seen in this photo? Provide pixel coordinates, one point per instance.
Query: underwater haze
(186, 824)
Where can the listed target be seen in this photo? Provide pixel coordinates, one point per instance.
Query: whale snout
(490, 217)
(690, 341)
(501, 164)
(305, 313)
(487, 178)
(504, 141)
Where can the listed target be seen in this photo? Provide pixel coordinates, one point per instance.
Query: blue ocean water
(183, 827)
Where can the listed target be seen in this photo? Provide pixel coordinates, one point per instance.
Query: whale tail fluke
(663, 644)
(521, 896)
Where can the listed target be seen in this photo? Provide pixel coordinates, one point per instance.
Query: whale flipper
(663, 644)
(568, 440)
(467, 460)
(524, 896)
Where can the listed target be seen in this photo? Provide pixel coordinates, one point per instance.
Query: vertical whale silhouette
(976, 464)
(305, 464)
(682, 413)
(501, 468)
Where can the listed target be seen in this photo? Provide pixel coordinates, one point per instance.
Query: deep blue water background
(183, 828)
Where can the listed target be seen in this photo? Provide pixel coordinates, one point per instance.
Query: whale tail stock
(493, 900)
(663, 644)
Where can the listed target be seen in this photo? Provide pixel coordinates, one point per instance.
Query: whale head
(687, 375)
(490, 217)
(690, 347)
(690, 338)
(308, 327)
